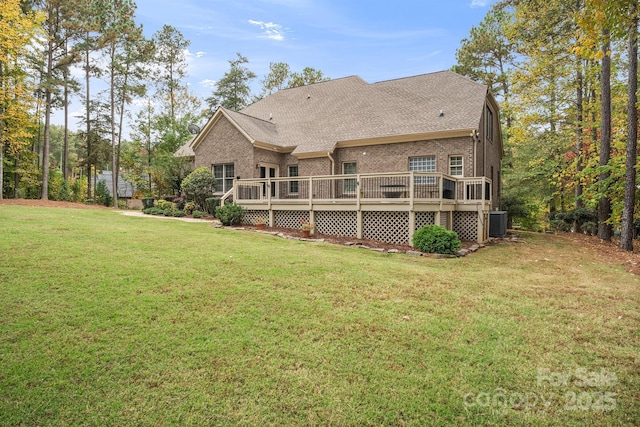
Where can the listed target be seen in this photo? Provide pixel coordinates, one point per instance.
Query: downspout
(484, 142)
(333, 171)
(474, 141)
(333, 163)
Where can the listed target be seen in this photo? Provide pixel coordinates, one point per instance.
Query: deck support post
(359, 224)
(482, 227)
(412, 225)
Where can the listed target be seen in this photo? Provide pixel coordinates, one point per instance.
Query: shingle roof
(315, 118)
(258, 129)
(185, 150)
(125, 188)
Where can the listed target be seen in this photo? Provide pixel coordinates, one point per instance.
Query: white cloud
(270, 30)
(479, 3)
(208, 83)
(198, 54)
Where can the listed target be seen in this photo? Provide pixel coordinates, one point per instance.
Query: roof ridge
(430, 74)
(324, 81)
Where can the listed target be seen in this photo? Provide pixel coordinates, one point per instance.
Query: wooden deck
(407, 193)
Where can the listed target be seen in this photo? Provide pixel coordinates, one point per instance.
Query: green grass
(114, 320)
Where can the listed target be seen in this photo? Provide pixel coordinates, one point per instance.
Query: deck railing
(403, 187)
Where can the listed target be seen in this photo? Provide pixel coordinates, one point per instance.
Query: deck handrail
(358, 188)
(226, 195)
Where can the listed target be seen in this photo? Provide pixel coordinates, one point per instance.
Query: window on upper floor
(489, 126)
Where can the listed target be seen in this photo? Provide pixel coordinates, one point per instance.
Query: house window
(349, 184)
(456, 167)
(423, 164)
(293, 185)
(223, 175)
(489, 124)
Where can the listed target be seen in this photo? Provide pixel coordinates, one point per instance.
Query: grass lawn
(114, 320)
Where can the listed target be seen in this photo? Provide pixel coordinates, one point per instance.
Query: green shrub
(165, 204)
(147, 202)
(64, 191)
(189, 207)
(230, 214)
(583, 219)
(211, 203)
(153, 211)
(179, 214)
(198, 185)
(589, 227)
(168, 212)
(78, 190)
(560, 224)
(199, 214)
(55, 184)
(102, 194)
(436, 239)
(178, 201)
(122, 204)
(515, 206)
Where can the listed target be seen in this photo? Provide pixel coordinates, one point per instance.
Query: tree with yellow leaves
(17, 32)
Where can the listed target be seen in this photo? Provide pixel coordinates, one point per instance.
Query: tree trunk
(121, 118)
(47, 125)
(65, 149)
(626, 239)
(16, 176)
(1, 128)
(45, 147)
(87, 78)
(114, 149)
(579, 126)
(149, 144)
(1, 164)
(604, 204)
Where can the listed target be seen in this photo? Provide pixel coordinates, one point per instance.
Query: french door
(269, 171)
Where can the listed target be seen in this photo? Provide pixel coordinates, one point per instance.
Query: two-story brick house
(424, 147)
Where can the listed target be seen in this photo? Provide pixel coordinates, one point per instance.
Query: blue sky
(376, 40)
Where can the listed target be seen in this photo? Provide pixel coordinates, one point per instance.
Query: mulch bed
(346, 240)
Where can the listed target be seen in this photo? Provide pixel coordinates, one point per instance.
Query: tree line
(565, 73)
(43, 41)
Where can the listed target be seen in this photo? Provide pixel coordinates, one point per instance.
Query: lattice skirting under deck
(466, 225)
(251, 217)
(290, 219)
(390, 227)
(424, 218)
(337, 223)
